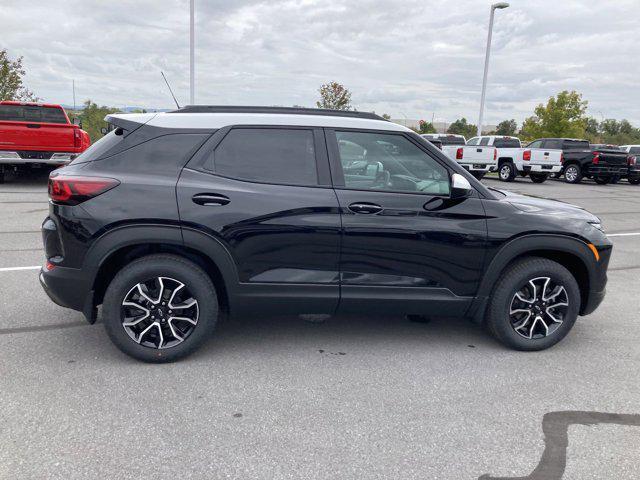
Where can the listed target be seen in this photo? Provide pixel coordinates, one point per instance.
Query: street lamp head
(500, 5)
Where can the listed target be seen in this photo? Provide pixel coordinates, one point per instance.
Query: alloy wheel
(538, 308)
(159, 313)
(505, 172)
(571, 174)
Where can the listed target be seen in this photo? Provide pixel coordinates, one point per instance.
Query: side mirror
(77, 121)
(460, 186)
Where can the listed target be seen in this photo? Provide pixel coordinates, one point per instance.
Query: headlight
(597, 225)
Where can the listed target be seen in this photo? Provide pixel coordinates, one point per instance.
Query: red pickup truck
(37, 134)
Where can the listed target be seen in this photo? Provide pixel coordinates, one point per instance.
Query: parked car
(174, 218)
(478, 160)
(37, 134)
(580, 160)
(436, 142)
(514, 160)
(633, 175)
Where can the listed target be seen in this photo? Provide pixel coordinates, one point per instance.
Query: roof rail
(276, 110)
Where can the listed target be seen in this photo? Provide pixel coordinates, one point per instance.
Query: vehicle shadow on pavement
(555, 426)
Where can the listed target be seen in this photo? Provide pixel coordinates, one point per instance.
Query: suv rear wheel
(160, 308)
(534, 305)
(538, 177)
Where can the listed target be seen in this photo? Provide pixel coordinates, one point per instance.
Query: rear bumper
(69, 288)
(58, 158)
(479, 167)
(608, 171)
(539, 168)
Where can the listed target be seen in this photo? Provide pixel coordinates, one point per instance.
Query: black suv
(173, 219)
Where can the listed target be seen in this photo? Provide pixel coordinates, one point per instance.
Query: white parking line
(13, 269)
(633, 234)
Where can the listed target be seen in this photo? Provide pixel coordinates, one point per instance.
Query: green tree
(562, 116)
(618, 132)
(335, 96)
(462, 127)
(11, 75)
(507, 127)
(93, 119)
(592, 130)
(386, 116)
(426, 127)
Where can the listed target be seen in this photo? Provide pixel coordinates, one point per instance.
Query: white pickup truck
(515, 160)
(478, 160)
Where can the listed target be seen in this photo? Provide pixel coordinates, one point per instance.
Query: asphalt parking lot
(276, 398)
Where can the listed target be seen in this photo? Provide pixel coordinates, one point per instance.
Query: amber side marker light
(595, 251)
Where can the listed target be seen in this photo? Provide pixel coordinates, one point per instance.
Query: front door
(406, 246)
(264, 193)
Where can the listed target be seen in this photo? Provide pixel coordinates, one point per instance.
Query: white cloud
(403, 57)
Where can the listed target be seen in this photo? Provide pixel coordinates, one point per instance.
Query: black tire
(517, 276)
(478, 175)
(195, 280)
(538, 177)
(634, 181)
(575, 173)
(506, 172)
(602, 180)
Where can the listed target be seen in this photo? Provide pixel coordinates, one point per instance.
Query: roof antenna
(171, 91)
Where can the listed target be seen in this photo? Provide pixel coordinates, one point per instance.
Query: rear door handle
(366, 208)
(212, 199)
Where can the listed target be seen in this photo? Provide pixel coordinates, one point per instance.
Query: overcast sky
(402, 57)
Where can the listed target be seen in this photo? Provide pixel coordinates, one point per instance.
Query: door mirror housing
(460, 186)
(77, 121)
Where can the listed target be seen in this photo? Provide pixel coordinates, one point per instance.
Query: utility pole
(495, 6)
(192, 75)
(73, 86)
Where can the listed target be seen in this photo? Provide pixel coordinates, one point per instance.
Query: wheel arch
(572, 253)
(118, 248)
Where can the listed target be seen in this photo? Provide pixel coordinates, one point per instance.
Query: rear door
(406, 244)
(264, 194)
(33, 127)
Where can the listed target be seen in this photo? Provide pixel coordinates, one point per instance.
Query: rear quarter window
(574, 145)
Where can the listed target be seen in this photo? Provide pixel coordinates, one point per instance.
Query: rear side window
(269, 155)
(32, 113)
(484, 141)
(102, 146)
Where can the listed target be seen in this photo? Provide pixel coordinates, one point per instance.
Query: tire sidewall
(184, 271)
(508, 177)
(577, 177)
(511, 283)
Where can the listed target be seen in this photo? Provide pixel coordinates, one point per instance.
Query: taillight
(77, 138)
(459, 153)
(74, 190)
(561, 158)
(495, 154)
(631, 160)
(526, 155)
(596, 158)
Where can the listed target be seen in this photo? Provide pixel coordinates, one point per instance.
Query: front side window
(387, 162)
(473, 141)
(553, 144)
(268, 155)
(536, 144)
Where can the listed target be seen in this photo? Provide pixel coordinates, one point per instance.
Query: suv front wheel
(160, 308)
(534, 304)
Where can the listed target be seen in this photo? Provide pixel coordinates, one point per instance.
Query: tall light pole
(192, 68)
(495, 6)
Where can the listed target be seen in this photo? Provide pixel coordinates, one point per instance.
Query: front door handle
(212, 199)
(366, 208)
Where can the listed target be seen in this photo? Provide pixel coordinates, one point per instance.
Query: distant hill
(123, 109)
